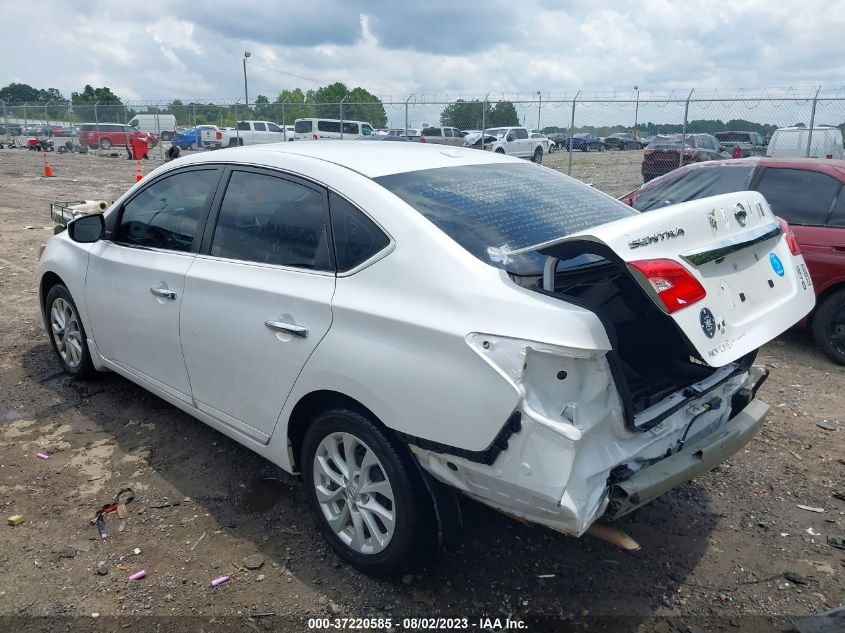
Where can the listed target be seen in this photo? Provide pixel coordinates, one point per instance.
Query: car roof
(830, 166)
(368, 159)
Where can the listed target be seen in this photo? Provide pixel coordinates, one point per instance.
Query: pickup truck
(253, 133)
(516, 141)
(207, 136)
(749, 143)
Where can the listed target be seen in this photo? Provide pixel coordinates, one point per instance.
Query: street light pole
(246, 92)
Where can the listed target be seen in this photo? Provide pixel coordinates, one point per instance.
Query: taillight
(219, 136)
(829, 156)
(791, 240)
(422, 139)
(675, 286)
(314, 137)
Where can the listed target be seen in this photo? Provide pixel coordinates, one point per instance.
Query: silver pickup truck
(749, 143)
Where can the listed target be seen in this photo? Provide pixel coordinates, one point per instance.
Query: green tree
(109, 106)
(503, 114)
(262, 108)
(360, 105)
(16, 93)
(466, 114)
(295, 106)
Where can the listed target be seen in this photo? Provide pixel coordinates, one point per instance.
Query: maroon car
(108, 135)
(663, 154)
(808, 193)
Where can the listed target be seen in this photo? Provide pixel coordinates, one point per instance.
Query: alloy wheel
(64, 323)
(354, 493)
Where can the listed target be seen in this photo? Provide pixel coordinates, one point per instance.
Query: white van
(789, 142)
(162, 125)
(316, 129)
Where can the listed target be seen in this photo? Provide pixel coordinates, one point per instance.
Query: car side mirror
(87, 228)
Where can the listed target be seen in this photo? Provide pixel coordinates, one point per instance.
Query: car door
(524, 144)
(804, 199)
(136, 276)
(257, 298)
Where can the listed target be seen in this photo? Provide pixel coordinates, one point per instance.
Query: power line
(282, 72)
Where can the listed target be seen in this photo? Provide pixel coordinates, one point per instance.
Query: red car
(108, 135)
(809, 193)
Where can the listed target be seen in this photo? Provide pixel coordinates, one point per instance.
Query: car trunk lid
(719, 267)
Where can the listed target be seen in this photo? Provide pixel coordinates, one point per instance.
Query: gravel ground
(715, 552)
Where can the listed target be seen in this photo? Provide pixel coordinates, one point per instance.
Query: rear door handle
(164, 293)
(287, 328)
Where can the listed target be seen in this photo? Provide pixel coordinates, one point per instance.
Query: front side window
(168, 213)
(797, 195)
(695, 184)
(271, 220)
(260, 127)
(302, 127)
(366, 130)
(273, 127)
(356, 237)
(496, 209)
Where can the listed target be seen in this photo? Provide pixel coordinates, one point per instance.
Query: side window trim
(217, 203)
(113, 221)
(380, 254)
(839, 194)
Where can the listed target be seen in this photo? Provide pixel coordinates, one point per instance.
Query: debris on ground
(810, 508)
(255, 561)
(827, 426)
(102, 568)
(836, 541)
(219, 581)
(138, 575)
(42, 455)
(16, 519)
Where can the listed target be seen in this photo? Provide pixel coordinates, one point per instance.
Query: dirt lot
(714, 552)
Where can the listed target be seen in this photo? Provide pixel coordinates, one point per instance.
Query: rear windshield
(733, 137)
(492, 210)
(695, 184)
(302, 127)
(431, 131)
(671, 141)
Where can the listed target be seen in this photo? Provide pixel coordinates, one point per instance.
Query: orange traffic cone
(139, 175)
(48, 171)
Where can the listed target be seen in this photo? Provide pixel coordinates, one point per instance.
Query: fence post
(812, 122)
(539, 106)
(572, 133)
(6, 122)
(237, 131)
(341, 116)
(25, 120)
(194, 108)
(158, 131)
(284, 129)
(406, 113)
(484, 117)
(47, 114)
(97, 121)
(684, 132)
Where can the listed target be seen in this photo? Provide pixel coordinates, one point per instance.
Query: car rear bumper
(696, 458)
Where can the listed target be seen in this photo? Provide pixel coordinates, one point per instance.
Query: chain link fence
(640, 114)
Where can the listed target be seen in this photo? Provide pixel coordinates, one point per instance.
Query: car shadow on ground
(502, 567)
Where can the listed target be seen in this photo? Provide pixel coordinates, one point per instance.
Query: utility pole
(246, 92)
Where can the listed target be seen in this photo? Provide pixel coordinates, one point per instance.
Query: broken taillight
(791, 240)
(675, 286)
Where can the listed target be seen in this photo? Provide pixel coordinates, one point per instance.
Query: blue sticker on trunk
(777, 266)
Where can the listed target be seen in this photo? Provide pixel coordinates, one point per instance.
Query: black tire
(166, 136)
(105, 143)
(500, 151)
(829, 327)
(192, 146)
(585, 147)
(84, 368)
(413, 534)
(538, 156)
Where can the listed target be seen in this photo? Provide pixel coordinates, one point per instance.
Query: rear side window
(83, 128)
(837, 218)
(356, 237)
(521, 132)
(271, 220)
(260, 127)
(695, 184)
(167, 214)
(496, 209)
(447, 132)
(799, 196)
(302, 127)
(328, 126)
(431, 131)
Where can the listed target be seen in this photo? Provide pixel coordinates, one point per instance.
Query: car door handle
(164, 293)
(287, 328)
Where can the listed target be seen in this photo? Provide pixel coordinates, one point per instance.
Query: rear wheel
(829, 327)
(105, 143)
(538, 156)
(500, 151)
(365, 492)
(67, 335)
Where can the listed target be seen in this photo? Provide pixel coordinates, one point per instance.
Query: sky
(163, 49)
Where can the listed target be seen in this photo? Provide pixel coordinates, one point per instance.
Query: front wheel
(538, 156)
(365, 492)
(67, 335)
(105, 143)
(829, 327)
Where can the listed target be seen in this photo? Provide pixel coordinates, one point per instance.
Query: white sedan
(400, 323)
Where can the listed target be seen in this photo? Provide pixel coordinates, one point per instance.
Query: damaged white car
(399, 323)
